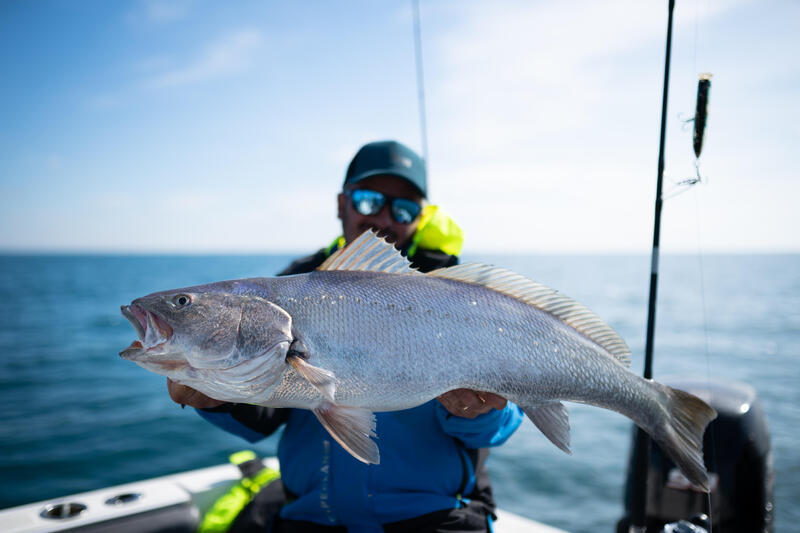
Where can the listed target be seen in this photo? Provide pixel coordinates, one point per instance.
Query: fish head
(206, 337)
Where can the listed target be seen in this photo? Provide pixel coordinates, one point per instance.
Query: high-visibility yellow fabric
(436, 231)
(220, 517)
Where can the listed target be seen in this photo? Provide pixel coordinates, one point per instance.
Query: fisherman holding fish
(361, 348)
(432, 474)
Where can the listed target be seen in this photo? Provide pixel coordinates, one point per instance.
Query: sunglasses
(369, 203)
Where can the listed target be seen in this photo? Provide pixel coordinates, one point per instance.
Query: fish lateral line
(371, 253)
(675, 420)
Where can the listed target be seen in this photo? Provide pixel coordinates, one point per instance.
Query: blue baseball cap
(388, 158)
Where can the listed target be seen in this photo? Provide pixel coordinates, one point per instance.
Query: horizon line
(302, 253)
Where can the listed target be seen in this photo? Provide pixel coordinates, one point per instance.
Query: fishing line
(699, 125)
(700, 118)
(420, 81)
(704, 313)
(696, 32)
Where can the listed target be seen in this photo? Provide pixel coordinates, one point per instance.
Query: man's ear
(340, 200)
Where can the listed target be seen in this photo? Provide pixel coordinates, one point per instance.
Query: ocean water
(76, 417)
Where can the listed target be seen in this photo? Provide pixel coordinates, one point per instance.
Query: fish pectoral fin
(552, 419)
(323, 380)
(352, 427)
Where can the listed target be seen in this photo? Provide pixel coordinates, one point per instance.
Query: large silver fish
(367, 333)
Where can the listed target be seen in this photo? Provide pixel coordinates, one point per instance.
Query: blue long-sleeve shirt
(428, 456)
(425, 464)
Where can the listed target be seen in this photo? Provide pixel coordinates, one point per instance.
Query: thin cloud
(227, 56)
(506, 74)
(163, 11)
(557, 94)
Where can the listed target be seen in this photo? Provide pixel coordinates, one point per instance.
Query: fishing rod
(641, 452)
(420, 82)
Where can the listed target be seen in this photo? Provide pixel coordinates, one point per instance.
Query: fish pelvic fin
(567, 310)
(552, 419)
(680, 437)
(369, 253)
(352, 427)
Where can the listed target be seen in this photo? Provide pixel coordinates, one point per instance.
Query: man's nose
(382, 218)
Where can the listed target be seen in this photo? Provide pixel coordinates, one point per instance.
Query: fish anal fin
(369, 253)
(352, 427)
(322, 380)
(552, 419)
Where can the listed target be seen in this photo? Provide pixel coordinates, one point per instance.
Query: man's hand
(188, 396)
(468, 403)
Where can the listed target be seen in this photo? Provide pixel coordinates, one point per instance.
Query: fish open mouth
(153, 331)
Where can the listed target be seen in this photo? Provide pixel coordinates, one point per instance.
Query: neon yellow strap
(220, 517)
(242, 457)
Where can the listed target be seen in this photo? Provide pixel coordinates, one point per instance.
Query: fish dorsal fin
(549, 300)
(369, 253)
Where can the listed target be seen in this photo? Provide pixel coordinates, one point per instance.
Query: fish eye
(181, 300)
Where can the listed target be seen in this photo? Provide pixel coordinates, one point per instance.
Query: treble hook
(695, 180)
(686, 123)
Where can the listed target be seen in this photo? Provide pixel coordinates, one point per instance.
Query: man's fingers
(468, 403)
(493, 400)
(188, 396)
(457, 403)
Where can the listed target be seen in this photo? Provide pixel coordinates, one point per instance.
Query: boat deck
(150, 505)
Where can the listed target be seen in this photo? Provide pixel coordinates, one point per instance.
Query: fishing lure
(700, 118)
(701, 112)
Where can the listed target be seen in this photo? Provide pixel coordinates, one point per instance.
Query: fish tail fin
(681, 437)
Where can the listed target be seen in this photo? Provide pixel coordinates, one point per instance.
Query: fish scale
(367, 333)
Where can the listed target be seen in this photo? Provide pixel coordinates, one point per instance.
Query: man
(432, 475)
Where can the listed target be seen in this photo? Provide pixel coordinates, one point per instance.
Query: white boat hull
(171, 503)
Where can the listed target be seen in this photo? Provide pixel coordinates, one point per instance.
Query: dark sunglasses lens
(367, 202)
(405, 211)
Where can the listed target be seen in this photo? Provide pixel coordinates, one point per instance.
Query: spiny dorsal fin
(565, 309)
(369, 253)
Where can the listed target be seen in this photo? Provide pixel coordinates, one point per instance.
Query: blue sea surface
(76, 417)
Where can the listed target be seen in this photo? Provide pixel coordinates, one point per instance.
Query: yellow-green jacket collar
(436, 231)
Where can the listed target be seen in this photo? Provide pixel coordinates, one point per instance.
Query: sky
(225, 127)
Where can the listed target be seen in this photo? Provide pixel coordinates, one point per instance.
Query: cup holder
(60, 511)
(125, 498)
